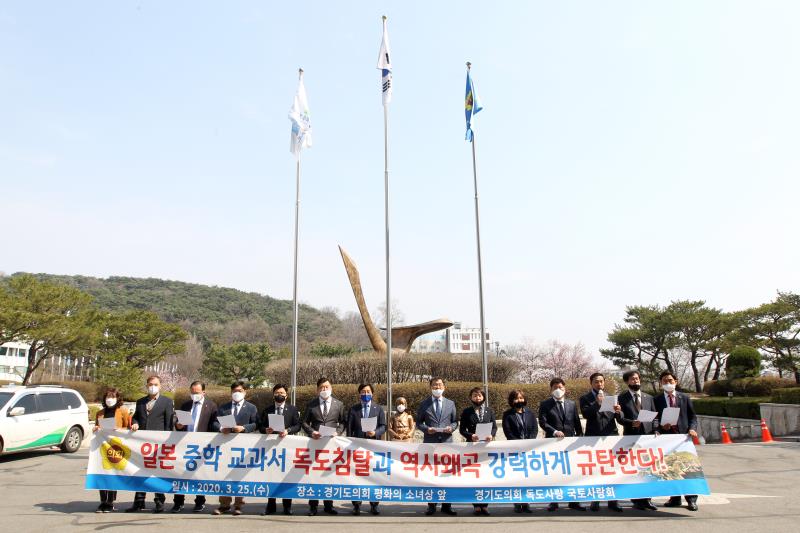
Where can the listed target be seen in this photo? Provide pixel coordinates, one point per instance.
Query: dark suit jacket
(629, 413)
(513, 430)
(354, 421)
(291, 418)
(550, 419)
(687, 419)
(470, 420)
(597, 424)
(247, 417)
(312, 417)
(426, 418)
(160, 417)
(208, 414)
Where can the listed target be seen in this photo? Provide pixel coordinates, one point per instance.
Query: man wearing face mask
(631, 402)
(154, 412)
(366, 408)
(291, 423)
(599, 424)
(246, 416)
(436, 418)
(687, 422)
(558, 417)
(204, 413)
(324, 410)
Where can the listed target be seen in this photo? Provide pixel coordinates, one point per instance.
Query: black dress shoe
(330, 510)
(288, 512)
(430, 510)
(177, 508)
(450, 512)
(312, 511)
(650, 507)
(692, 506)
(517, 508)
(135, 509)
(673, 502)
(614, 507)
(356, 510)
(485, 511)
(199, 508)
(594, 506)
(373, 510)
(575, 506)
(552, 507)
(159, 508)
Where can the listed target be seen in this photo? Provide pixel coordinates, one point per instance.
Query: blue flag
(472, 105)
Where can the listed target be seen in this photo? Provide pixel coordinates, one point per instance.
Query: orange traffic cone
(726, 439)
(766, 436)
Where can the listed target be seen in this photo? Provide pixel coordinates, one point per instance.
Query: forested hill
(200, 307)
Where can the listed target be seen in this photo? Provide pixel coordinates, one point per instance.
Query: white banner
(338, 468)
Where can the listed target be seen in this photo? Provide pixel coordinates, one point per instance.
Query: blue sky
(628, 152)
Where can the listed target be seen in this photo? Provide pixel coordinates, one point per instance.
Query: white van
(42, 416)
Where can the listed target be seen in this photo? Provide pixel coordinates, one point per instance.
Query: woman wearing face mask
(402, 425)
(477, 413)
(519, 422)
(112, 408)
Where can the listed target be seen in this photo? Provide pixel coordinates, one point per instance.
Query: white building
(13, 361)
(455, 339)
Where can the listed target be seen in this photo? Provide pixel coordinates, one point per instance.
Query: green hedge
(763, 386)
(414, 393)
(730, 407)
(788, 395)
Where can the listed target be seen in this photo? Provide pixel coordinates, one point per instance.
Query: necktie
(324, 410)
(638, 402)
(561, 411)
(365, 411)
(437, 409)
(235, 410)
(280, 410)
(195, 410)
(671, 400)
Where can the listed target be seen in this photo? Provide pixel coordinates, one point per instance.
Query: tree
(398, 317)
(53, 319)
(240, 361)
(129, 342)
(743, 362)
(324, 349)
(541, 362)
(775, 328)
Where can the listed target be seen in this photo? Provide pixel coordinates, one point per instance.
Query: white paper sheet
(369, 424)
(184, 417)
(608, 404)
(227, 421)
(670, 416)
(108, 423)
(277, 423)
(326, 431)
(483, 430)
(646, 416)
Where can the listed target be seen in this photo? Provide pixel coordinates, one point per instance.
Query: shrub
(746, 386)
(743, 362)
(787, 395)
(415, 393)
(730, 407)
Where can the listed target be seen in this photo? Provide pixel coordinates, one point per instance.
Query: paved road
(754, 488)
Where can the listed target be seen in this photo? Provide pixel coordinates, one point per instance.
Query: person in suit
(519, 423)
(291, 424)
(204, 413)
(246, 416)
(401, 424)
(687, 422)
(599, 424)
(478, 413)
(366, 408)
(154, 412)
(324, 410)
(436, 418)
(631, 402)
(558, 417)
(112, 408)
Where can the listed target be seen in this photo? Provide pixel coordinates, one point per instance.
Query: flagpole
(480, 269)
(388, 277)
(294, 291)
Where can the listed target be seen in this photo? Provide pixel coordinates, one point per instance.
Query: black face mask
(635, 388)
(279, 399)
(520, 404)
(477, 404)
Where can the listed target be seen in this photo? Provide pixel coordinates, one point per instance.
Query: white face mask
(669, 388)
(325, 394)
(111, 402)
(401, 408)
(437, 392)
(558, 393)
(197, 397)
(237, 396)
(152, 389)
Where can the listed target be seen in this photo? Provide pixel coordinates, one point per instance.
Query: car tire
(72, 441)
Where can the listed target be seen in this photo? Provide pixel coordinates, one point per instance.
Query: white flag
(301, 120)
(385, 65)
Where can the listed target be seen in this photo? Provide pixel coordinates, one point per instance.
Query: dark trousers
(328, 504)
(271, 504)
(690, 498)
(108, 496)
(179, 499)
(358, 504)
(140, 497)
(445, 506)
